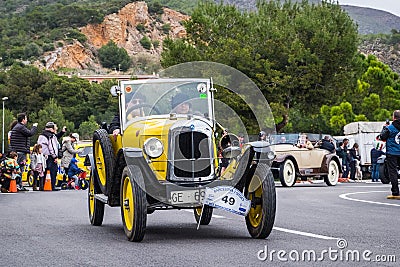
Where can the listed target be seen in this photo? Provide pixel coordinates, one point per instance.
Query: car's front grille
(191, 157)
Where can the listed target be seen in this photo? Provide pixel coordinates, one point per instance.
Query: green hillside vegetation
(30, 28)
(303, 58)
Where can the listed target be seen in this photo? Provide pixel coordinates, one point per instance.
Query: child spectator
(38, 166)
(11, 170)
(73, 171)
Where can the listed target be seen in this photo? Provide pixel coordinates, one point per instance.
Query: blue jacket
(73, 168)
(391, 134)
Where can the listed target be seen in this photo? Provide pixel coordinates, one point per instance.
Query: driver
(180, 104)
(115, 125)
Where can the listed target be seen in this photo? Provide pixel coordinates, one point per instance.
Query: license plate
(187, 196)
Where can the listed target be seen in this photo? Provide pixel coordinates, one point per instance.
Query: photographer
(391, 134)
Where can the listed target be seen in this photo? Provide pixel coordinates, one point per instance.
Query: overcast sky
(392, 6)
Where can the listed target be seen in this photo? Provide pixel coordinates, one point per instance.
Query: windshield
(86, 150)
(159, 97)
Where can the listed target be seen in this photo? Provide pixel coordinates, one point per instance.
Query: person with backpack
(49, 143)
(69, 151)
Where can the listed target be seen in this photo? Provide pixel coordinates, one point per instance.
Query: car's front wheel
(287, 173)
(205, 217)
(133, 205)
(261, 192)
(333, 173)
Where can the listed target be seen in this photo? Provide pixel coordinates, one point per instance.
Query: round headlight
(271, 155)
(153, 147)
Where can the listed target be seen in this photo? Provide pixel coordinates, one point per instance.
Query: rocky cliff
(122, 28)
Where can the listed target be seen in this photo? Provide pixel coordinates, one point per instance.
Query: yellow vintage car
(84, 146)
(165, 157)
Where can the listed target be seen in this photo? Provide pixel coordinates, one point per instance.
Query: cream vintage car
(293, 162)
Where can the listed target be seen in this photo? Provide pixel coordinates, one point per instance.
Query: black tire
(287, 173)
(95, 206)
(205, 217)
(104, 159)
(83, 184)
(64, 186)
(261, 217)
(383, 174)
(133, 205)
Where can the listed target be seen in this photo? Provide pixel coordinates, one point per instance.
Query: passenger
(262, 136)
(304, 142)
(282, 140)
(115, 125)
(327, 144)
(10, 170)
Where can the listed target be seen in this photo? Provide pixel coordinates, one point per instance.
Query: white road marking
(345, 196)
(305, 234)
(286, 230)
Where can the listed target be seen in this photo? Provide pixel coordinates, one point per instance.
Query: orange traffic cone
(47, 182)
(13, 186)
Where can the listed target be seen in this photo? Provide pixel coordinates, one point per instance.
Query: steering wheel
(142, 105)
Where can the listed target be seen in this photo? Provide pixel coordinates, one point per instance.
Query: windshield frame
(122, 97)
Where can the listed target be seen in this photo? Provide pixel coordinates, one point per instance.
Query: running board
(101, 197)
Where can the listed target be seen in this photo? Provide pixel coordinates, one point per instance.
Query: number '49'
(230, 200)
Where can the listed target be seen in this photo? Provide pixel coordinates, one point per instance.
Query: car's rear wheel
(383, 174)
(104, 159)
(96, 207)
(205, 217)
(261, 192)
(333, 173)
(287, 173)
(133, 206)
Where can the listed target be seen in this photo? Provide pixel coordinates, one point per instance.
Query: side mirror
(115, 90)
(231, 152)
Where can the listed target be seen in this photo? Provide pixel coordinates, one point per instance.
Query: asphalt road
(53, 229)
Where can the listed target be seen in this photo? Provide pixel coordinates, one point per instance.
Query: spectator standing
(344, 155)
(20, 141)
(38, 166)
(49, 143)
(68, 148)
(354, 159)
(391, 134)
(375, 154)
